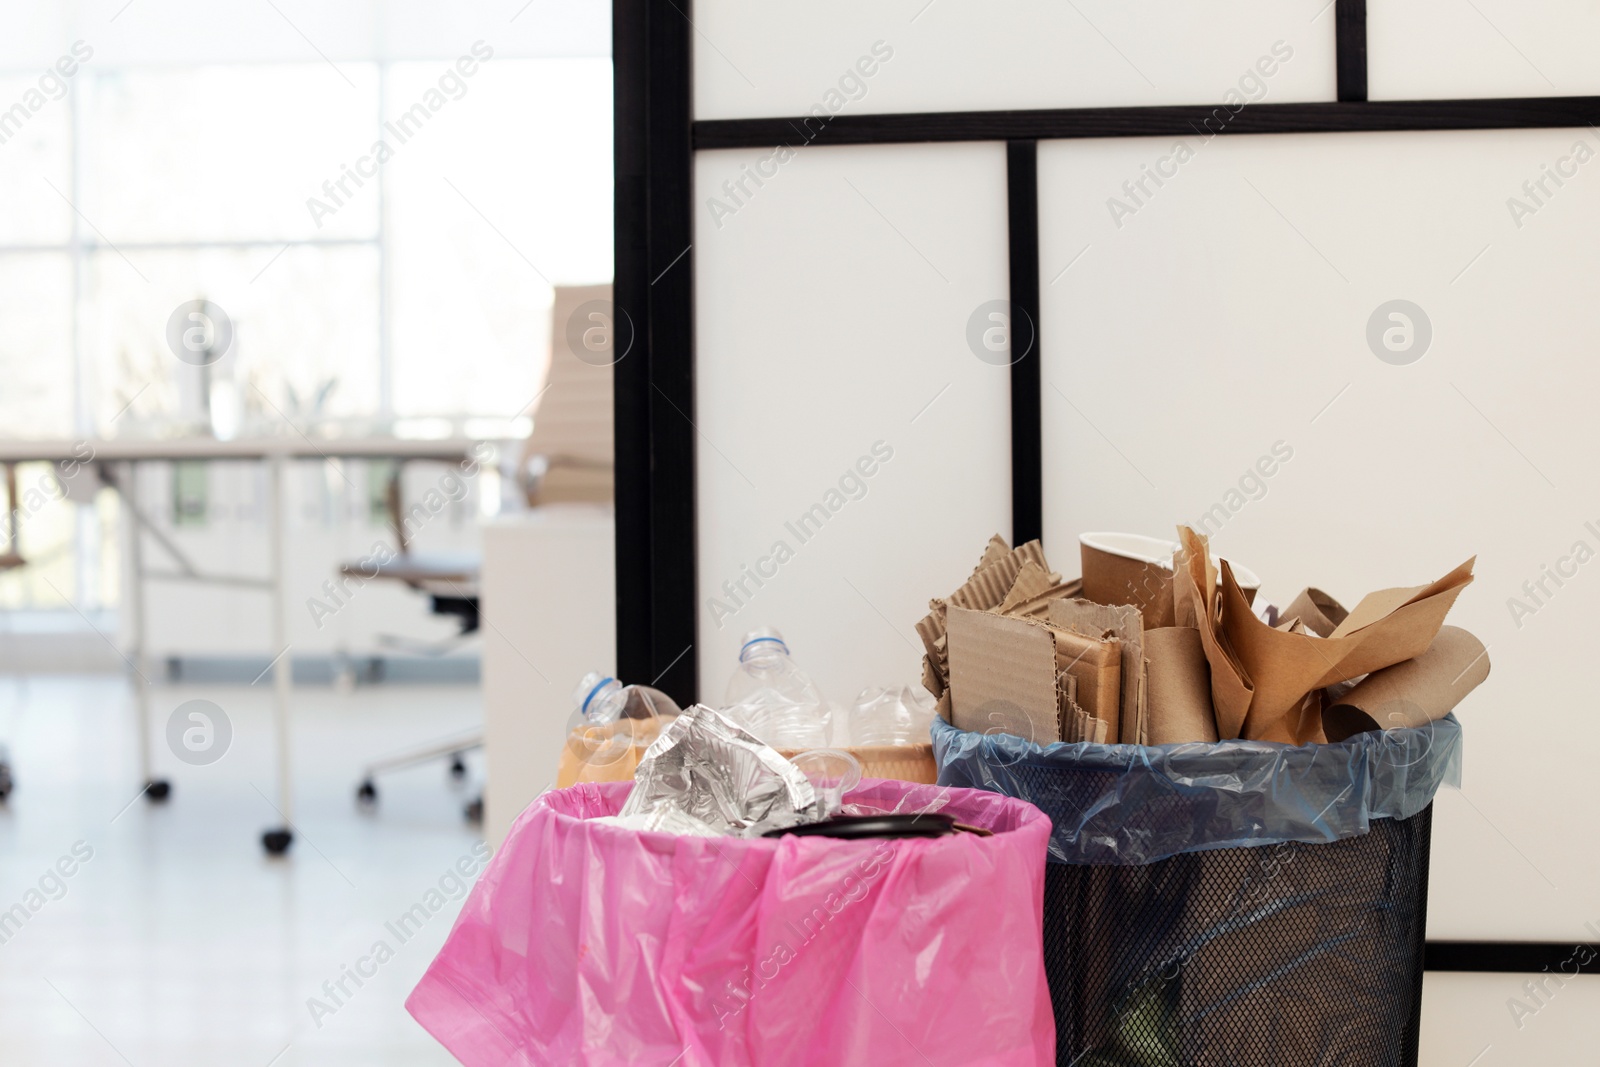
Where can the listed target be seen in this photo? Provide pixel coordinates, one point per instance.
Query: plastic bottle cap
(601, 684)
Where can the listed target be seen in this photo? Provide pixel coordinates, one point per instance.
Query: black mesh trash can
(1244, 904)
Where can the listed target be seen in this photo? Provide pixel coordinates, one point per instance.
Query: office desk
(548, 601)
(116, 459)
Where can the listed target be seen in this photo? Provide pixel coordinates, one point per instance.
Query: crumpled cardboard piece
(1094, 662)
(1032, 581)
(1264, 681)
(993, 578)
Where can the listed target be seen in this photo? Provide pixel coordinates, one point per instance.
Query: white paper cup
(1123, 568)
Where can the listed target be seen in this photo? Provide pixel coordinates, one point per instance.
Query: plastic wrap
(1133, 804)
(589, 944)
(705, 767)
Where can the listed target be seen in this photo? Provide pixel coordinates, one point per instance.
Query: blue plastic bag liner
(1136, 804)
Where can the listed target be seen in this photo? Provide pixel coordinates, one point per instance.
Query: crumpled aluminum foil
(706, 767)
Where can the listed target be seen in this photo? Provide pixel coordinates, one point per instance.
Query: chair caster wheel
(474, 811)
(157, 790)
(458, 768)
(367, 794)
(6, 782)
(276, 842)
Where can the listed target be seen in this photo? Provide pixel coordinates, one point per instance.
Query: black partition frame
(656, 139)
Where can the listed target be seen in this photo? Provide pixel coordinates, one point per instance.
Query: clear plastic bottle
(599, 699)
(898, 715)
(773, 698)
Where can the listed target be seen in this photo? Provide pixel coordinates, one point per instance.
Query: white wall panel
(1491, 1020)
(1229, 311)
(831, 315)
(761, 57)
(1432, 49)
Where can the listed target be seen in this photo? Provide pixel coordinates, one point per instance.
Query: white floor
(178, 942)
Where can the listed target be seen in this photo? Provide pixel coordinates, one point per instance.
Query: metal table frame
(123, 458)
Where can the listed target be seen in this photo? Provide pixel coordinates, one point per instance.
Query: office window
(368, 289)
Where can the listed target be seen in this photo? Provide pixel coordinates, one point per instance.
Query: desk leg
(276, 841)
(155, 789)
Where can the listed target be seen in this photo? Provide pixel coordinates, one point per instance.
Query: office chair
(568, 458)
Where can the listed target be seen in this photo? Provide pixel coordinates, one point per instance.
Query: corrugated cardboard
(1032, 581)
(1142, 735)
(1075, 722)
(996, 550)
(1125, 621)
(1095, 663)
(984, 590)
(1413, 693)
(1038, 606)
(1002, 675)
(1279, 670)
(1180, 687)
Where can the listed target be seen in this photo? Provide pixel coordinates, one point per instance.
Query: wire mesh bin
(1238, 905)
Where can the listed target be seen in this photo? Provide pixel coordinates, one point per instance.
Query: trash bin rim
(1026, 816)
(1228, 753)
(1135, 804)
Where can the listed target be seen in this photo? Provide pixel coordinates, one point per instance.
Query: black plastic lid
(859, 827)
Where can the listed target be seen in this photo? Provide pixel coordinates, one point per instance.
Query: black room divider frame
(656, 138)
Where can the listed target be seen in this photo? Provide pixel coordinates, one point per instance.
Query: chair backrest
(572, 423)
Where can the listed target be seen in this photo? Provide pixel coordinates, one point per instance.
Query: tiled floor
(177, 941)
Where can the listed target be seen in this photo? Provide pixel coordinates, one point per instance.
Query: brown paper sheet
(1180, 687)
(1320, 613)
(1282, 669)
(1231, 688)
(1414, 693)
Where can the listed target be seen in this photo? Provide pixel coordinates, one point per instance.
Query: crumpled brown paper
(1265, 682)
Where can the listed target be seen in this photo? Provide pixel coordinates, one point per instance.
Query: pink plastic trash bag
(594, 945)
